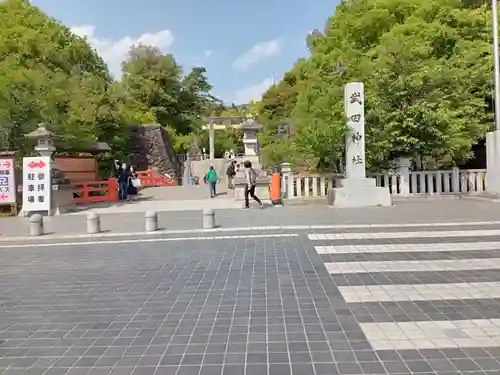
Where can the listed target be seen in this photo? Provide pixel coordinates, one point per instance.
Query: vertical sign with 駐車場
(7, 182)
(36, 184)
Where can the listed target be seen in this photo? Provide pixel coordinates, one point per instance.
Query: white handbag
(136, 183)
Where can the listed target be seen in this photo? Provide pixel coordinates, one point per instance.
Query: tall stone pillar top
(354, 101)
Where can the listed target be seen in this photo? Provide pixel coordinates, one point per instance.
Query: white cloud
(116, 51)
(255, 92)
(208, 53)
(258, 52)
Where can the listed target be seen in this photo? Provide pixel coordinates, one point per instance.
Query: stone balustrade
(402, 184)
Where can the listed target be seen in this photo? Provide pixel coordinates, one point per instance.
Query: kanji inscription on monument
(355, 137)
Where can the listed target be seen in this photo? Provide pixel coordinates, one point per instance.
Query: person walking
(251, 182)
(230, 173)
(211, 178)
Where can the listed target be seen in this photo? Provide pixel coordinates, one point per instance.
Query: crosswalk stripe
(395, 235)
(400, 304)
(420, 292)
(413, 265)
(430, 335)
(410, 248)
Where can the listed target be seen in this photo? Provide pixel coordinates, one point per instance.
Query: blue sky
(240, 44)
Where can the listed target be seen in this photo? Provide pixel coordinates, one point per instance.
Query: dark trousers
(250, 191)
(122, 190)
(211, 186)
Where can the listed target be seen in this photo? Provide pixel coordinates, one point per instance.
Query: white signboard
(354, 99)
(7, 182)
(36, 184)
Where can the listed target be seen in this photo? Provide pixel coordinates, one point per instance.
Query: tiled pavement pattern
(255, 306)
(233, 306)
(427, 299)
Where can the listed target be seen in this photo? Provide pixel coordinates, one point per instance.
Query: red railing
(150, 179)
(96, 191)
(107, 191)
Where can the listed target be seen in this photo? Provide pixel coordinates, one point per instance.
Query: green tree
(426, 66)
(156, 88)
(49, 75)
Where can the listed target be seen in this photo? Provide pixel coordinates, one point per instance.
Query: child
(251, 181)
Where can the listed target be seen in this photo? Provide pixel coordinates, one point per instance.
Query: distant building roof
(90, 147)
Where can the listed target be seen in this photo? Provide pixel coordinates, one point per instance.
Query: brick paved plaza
(412, 299)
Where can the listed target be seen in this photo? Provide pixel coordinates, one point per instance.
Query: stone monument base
(261, 188)
(358, 192)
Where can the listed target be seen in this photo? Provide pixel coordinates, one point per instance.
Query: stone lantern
(250, 129)
(44, 138)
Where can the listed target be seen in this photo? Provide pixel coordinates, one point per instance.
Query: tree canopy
(426, 66)
(50, 75)
(47, 74)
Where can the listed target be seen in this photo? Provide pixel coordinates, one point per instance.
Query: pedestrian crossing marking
(413, 265)
(394, 235)
(391, 301)
(431, 335)
(410, 248)
(420, 292)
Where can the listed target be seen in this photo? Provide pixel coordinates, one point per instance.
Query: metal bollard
(208, 218)
(151, 221)
(93, 223)
(36, 225)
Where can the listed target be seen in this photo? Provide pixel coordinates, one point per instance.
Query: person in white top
(251, 182)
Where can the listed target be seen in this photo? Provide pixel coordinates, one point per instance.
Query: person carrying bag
(251, 183)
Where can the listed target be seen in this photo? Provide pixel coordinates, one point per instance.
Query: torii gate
(246, 123)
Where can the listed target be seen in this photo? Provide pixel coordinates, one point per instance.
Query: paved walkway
(410, 211)
(419, 299)
(185, 193)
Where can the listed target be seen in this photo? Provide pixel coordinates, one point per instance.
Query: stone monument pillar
(356, 190)
(493, 162)
(355, 137)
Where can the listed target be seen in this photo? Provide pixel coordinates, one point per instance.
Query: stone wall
(152, 148)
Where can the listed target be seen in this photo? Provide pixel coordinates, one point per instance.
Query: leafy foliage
(49, 75)
(426, 66)
(154, 84)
